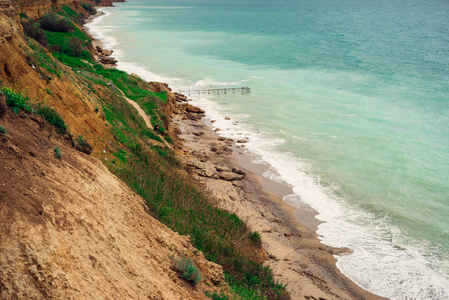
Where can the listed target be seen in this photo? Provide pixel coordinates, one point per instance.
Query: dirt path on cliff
(146, 120)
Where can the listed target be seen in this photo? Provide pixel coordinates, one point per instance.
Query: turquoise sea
(349, 106)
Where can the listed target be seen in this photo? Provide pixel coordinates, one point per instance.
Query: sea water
(349, 106)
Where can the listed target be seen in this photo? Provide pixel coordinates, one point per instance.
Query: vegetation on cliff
(149, 168)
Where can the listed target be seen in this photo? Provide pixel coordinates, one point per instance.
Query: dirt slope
(71, 230)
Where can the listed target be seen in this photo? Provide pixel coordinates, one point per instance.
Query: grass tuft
(53, 117)
(255, 238)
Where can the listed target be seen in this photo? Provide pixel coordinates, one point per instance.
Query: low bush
(3, 130)
(33, 30)
(57, 151)
(55, 23)
(189, 271)
(82, 145)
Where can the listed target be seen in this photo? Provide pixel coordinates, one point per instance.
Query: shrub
(52, 22)
(24, 15)
(81, 144)
(57, 152)
(76, 45)
(89, 8)
(34, 31)
(189, 271)
(53, 117)
(3, 130)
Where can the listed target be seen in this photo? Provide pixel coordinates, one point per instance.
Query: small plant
(57, 151)
(3, 130)
(16, 100)
(81, 144)
(255, 238)
(121, 154)
(189, 271)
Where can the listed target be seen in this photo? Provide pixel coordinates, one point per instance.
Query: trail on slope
(147, 121)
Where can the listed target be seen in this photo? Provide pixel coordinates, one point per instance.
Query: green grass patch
(16, 100)
(20, 101)
(53, 117)
(69, 12)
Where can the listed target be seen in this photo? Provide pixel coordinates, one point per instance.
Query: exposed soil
(72, 230)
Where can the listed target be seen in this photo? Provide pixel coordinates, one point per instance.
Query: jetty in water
(243, 90)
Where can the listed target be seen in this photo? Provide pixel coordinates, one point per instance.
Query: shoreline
(293, 250)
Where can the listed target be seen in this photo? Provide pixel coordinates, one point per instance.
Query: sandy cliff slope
(71, 230)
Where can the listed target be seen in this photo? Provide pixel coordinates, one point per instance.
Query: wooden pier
(243, 90)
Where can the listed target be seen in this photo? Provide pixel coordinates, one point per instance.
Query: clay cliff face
(72, 230)
(33, 8)
(69, 228)
(68, 95)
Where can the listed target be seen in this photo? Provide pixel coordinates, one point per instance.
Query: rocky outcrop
(211, 170)
(37, 8)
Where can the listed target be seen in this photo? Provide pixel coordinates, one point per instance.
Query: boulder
(192, 109)
(108, 61)
(204, 169)
(107, 52)
(238, 171)
(230, 176)
(180, 97)
(222, 169)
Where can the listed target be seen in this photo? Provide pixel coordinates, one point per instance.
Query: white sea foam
(381, 262)
(99, 31)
